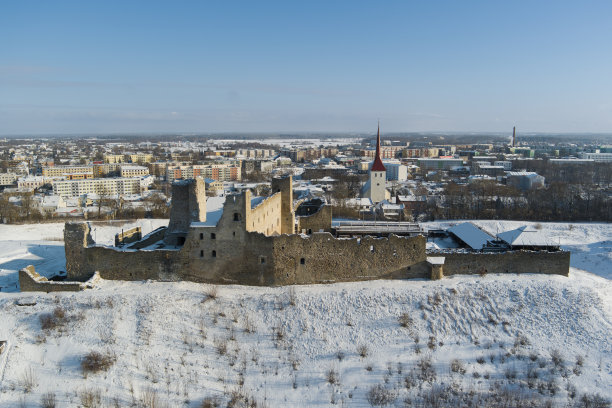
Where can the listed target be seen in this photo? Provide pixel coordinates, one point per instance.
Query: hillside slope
(539, 338)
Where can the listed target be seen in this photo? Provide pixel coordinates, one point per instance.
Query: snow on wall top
(214, 211)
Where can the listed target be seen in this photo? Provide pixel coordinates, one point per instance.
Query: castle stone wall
(77, 237)
(557, 263)
(322, 258)
(317, 222)
(266, 216)
(31, 281)
(285, 187)
(249, 246)
(129, 236)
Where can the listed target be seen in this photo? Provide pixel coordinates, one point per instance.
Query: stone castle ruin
(241, 239)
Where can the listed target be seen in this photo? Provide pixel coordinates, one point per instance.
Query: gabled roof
(525, 236)
(471, 235)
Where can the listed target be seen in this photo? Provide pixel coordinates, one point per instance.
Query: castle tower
(284, 185)
(378, 176)
(188, 205)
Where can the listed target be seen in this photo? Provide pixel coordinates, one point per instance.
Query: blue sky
(338, 66)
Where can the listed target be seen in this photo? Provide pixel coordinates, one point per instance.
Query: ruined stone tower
(77, 237)
(188, 205)
(284, 185)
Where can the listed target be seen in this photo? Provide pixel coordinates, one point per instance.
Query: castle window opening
(262, 259)
(181, 240)
(201, 235)
(201, 253)
(214, 254)
(371, 248)
(213, 235)
(302, 261)
(237, 216)
(234, 233)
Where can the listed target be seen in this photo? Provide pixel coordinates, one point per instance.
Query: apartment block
(219, 172)
(104, 186)
(58, 171)
(134, 171)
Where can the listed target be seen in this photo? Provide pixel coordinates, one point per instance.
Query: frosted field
(537, 338)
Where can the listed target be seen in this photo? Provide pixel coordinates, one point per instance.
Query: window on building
(201, 253)
(214, 254)
(262, 259)
(213, 236)
(302, 261)
(237, 216)
(201, 235)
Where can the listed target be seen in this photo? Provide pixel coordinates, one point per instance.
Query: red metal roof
(378, 164)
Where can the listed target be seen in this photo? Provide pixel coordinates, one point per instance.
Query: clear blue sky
(199, 66)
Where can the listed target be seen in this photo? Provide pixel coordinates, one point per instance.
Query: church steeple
(378, 164)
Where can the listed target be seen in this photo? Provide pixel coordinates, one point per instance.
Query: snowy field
(463, 340)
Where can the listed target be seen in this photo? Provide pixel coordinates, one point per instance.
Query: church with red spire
(375, 188)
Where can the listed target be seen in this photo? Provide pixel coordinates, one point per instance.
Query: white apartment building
(507, 165)
(396, 171)
(105, 186)
(598, 157)
(7, 179)
(56, 171)
(134, 171)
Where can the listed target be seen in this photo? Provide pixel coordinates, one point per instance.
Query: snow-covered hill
(544, 338)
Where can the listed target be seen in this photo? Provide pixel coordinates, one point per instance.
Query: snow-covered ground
(539, 336)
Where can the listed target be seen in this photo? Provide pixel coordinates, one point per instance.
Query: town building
(101, 186)
(220, 172)
(58, 171)
(133, 171)
(376, 187)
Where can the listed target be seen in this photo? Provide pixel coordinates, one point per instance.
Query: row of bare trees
(559, 201)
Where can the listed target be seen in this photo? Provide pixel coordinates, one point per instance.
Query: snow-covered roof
(522, 173)
(525, 236)
(473, 236)
(214, 211)
(359, 201)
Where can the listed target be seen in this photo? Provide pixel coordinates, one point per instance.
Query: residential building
(524, 180)
(598, 157)
(220, 172)
(114, 158)
(7, 179)
(134, 171)
(58, 171)
(101, 186)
